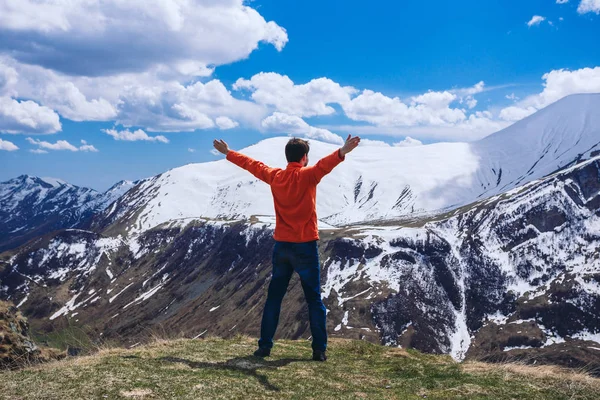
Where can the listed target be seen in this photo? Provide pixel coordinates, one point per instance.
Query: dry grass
(222, 369)
(536, 372)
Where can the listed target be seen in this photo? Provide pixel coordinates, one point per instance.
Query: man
(294, 192)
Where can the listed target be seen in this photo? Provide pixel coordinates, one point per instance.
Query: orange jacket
(294, 193)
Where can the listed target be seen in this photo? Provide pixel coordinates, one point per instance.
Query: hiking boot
(319, 355)
(262, 352)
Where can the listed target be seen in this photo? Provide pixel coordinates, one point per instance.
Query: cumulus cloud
(8, 78)
(431, 108)
(27, 117)
(373, 143)
(587, 6)
(408, 142)
(142, 100)
(466, 95)
(516, 113)
(536, 20)
(132, 62)
(304, 100)
(562, 1)
(173, 107)
(8, 146)
(134, 136)
(557, 84)
(87, 147)
(59, 145)
(38, 151)
(106, 37)
(294, 125)
(225, 123)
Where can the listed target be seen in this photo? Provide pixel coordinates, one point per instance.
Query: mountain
(376, 182)
(31, 206)
(485, 250)
(555, 137)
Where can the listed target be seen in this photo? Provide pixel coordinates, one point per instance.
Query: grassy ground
(222, 369)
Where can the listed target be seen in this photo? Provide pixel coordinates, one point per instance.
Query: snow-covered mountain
(31, 206)
(484, 250)
(375, 182)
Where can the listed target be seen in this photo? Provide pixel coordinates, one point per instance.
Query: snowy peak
(54, 181)
(553, 138)
(114, 192)
(31, 206)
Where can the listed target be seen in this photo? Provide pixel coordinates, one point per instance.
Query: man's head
(296, 150)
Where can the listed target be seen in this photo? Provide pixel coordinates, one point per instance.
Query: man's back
(294, 192)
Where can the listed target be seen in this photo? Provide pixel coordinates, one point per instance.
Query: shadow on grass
(248, 365)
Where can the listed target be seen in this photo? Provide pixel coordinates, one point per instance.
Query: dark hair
(295, 149)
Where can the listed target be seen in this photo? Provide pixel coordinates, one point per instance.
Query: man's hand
(351, 144)
(221, 146)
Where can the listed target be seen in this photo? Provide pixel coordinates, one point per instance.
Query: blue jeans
(304, 259)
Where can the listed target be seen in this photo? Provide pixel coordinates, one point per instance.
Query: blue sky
(432, 71)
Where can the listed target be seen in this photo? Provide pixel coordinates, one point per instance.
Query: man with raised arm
(296, 234)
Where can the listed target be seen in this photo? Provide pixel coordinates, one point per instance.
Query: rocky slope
(16, 347)
(32, 206)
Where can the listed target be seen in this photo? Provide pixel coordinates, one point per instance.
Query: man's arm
(327, 164)
(256, 168)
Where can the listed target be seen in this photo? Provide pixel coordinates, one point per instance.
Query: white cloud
(106, 37)
(587, 6)
(477, 126)
(536, 20)
(173, 107)
(294, 125)
(513, 113)
(225, 123)
(465, 95)
(479, 87)
(8, 146)
(434, 100)
(139, 134)
(27, 117)
(58, 92)
(142, 100)
(131, 62)
(8, 78)
(38, 151)
(431, 108)
(304, 100)
(191, 150)
(511, 97)
(562, 1)
(214, 152)
(373, 143)
(87, 147)
(558, 84)
(408, 142)
(59, 145)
